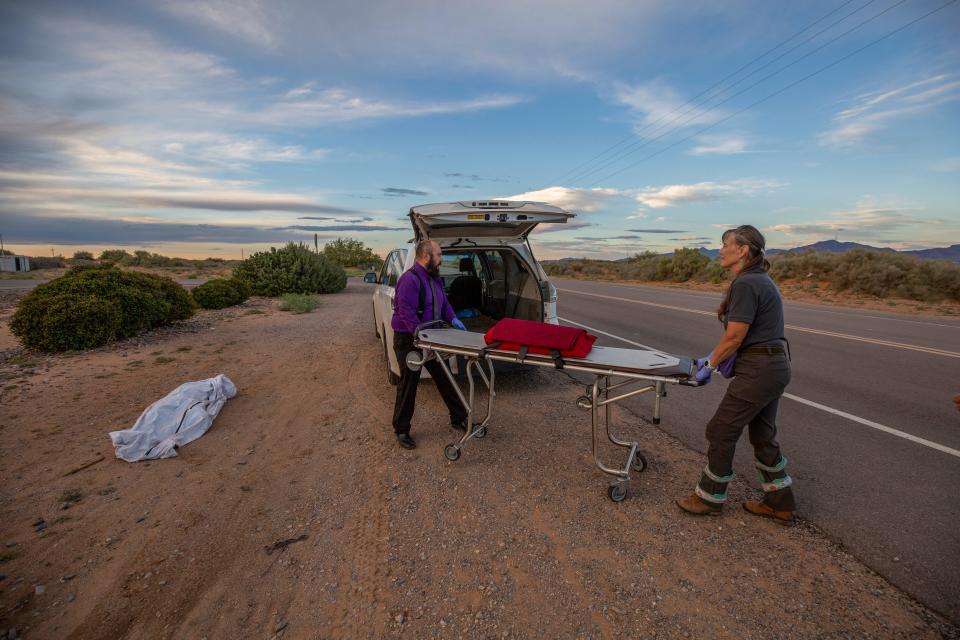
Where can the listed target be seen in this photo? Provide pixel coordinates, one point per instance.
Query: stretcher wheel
(617, 491)
(452, 452)
(584, 403)
(480, 433)
(639, 463)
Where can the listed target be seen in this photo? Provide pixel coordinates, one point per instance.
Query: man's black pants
(407, 388)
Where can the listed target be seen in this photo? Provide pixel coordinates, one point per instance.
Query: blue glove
(703, 371)
(457, 324)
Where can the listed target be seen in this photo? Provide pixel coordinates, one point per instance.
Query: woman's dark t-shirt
(755, 299)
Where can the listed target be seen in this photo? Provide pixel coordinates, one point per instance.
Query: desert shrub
(291, 269)
(242, 288)
(299, 302)
(113, 255)
(219, 293)
(877, 273)
(47, 262)
(348, 252)
(82, 255)
(90, 306)
(681, 266)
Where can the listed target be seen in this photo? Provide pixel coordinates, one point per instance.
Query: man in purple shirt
(419, 297)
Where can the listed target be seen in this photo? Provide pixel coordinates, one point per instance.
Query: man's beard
(433, 270)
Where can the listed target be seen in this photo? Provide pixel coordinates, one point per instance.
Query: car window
(394, 269)
(494, 260)
(384, 269)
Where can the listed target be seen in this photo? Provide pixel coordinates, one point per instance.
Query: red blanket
(541, 338)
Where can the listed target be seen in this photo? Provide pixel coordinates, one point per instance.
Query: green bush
(219, 293)
(242, 288)
(113, 255)
(90, 306)
(291, 269)
(348, 252)
(82, 255)
(299, 303)
(47, 262)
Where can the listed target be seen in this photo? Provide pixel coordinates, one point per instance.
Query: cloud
(25, 191)
(677, 194)
(569, 198)
(341, 227)
(867, 220)
(237, 151)
(656, 230)
(872, 113)
(362, 219)
(101, 231)
(338, 105)
(561, 226)
(715, 145)
(248, 20)
(948, 165)
(692, 239)
(396, 192)
(659, 108)
(605, 238)
(473, 176)
(538, 38)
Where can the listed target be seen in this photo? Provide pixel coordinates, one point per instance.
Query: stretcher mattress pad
(636, 361)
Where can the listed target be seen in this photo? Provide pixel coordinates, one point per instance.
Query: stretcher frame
(607, 378)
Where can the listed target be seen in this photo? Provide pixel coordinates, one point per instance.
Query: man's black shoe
(460, 426)
(406, 441)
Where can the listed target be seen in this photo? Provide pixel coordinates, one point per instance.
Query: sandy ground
(297, 516)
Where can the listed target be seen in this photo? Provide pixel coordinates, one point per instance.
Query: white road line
(806, 306)
(811, 403)
(792, 327)
(874, 425)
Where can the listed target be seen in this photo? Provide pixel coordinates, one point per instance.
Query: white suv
(488, 268)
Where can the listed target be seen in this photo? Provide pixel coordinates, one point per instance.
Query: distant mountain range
(951, 253)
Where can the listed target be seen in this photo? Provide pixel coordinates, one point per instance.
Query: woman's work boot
(696, 506)
(764, 510)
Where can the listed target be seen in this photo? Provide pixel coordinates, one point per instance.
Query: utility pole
(316, 246)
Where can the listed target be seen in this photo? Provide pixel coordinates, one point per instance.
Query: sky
(209, 128)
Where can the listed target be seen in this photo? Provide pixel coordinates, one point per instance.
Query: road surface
(868, 424)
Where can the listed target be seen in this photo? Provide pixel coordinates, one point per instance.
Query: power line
(779, 91)
(711, 87)
(707, 109)
(748, 88)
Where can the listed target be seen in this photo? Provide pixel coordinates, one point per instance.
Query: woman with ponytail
(754, 351)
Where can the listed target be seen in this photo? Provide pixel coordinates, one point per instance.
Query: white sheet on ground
(180, 417)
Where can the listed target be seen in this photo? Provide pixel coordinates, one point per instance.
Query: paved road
(890, 500)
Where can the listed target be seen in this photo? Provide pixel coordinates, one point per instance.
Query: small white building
(14, 263)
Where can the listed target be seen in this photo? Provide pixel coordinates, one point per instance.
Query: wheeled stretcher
(628, 372)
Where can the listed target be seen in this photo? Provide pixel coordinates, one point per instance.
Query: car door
(389, 275)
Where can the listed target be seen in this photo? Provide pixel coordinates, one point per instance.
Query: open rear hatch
(504, 219)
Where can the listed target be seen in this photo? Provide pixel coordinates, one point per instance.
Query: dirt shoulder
(517, 539)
